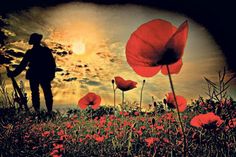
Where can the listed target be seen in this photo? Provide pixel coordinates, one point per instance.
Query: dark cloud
(70, 79)
(87, 81)
(93, 83)
(59, 69)
(62, 53)
(14, 54)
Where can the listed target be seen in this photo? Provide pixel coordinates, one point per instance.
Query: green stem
(123, 100)
(141, 96)
(180, 120)
(91, 114)
(114, 92)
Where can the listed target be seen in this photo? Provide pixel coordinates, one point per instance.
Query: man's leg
(46, 86)
(34, 86)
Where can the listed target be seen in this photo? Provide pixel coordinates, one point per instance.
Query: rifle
(20, 98)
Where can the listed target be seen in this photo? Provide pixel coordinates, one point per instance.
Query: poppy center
(169, 56)
(91, 103)
(211, 125)
(170, 105)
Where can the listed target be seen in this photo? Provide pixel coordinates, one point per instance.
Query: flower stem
(180, 120)
(114, 92)
(123, 100)
(141, 96)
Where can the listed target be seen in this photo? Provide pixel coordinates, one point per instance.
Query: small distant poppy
(90, 99)
(98, 138)
(46, 133)
(150, 140)
(182, 103)
(69, 125)
(123, 84)
(207, 121)
(154, 44)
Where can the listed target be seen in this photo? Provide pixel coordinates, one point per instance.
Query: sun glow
(78, 47)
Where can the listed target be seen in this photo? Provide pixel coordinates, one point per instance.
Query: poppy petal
(83, 103)
(97, 102)
(174, 68)
(139, 53)
(131, 84)
(124, 85)
(196, 122)
(202, 120)
(156, 32)
(146, 71)
(119, 82)
(182, 103)
(89, 98)
(178, 41)
(170, 98)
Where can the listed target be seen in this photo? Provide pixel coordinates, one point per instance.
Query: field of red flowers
(209, 128)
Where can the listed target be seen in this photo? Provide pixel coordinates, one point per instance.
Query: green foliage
(5, 98)
(75, 133)
(217, 91)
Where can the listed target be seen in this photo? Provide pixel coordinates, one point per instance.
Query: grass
(75, 133)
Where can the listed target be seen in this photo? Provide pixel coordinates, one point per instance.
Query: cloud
(14, 54)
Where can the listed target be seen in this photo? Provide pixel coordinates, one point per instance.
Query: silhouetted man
(41, 71)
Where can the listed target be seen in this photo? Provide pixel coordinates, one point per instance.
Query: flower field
(102, 133)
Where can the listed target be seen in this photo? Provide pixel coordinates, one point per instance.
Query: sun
(78, 47)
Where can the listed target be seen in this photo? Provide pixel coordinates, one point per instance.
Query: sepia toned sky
(94, 39)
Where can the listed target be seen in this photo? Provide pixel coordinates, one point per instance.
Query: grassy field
(103, 132)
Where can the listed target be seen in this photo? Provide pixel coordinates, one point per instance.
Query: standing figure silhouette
(41, 71)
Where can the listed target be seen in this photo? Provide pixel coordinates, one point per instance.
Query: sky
(93, 38)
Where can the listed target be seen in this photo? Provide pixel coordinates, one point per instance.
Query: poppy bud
(155, 104)
(153, 121)
(112, 81)
(144, 81)
(150, 105)
(164, 100)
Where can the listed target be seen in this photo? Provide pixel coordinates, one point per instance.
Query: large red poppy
(154, 44)
(123, 84)
(182, 102)
(90, 99)
(208, 121)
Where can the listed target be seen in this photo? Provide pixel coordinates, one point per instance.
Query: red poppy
(61, 133)
(98, 138)
(150, 140)
(46, 133)
(208, 121)
(124, 85)
(182, 103)
(154, 44)
(58, 146)
(69, 125)
(90, 99)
